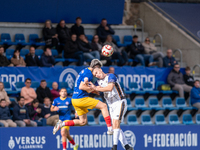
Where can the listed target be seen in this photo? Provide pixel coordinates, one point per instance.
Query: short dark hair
(35, 101)
(31, 46)
(63, 89)
(1, 47)
(42, 81)
(15, 52)
(135, 36)
(197, 81)
(78, 18)
(46, 47)
(2, 100)
(27, 79)
(176, 64)
(103, 19)
(187, 68)
(20, 98)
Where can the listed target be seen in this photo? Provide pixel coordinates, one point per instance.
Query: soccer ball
(107, 50)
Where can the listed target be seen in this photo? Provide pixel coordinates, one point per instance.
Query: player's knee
(104, 106)
(63, 133)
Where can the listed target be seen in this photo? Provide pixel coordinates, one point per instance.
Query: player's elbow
(83, 122)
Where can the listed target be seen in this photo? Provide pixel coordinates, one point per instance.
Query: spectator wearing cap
(189, 80)
(104, 30)
(77, 28)
(169, 60)
(195, 95)
(55, 90)
(136, 51)
(47, 60)
(28, 93)
(17, 60)
(31, 59)
(20, 114)
(4, 95)
(5, 116)
(63, 32)
(4, 62)
(43, 91)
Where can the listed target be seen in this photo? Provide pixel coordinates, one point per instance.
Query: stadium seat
(91, 120)
(49, 85)
(148, 87)
(140, 104)
(198, 118)
(160, 120)
(132, 120)
(167, 103)
(32, 38)
(35, 84)
(89, 37)
(12, 99)
(128, 40)
(146, 120)
(180, 102)
(117, 39)
(101, 120)
(39, 52)
(6, 39)
(187, 119)
(173, 119)
(129, 106)
(153, 103)
(7, 86)
(9, 53)
(19, 86)
(159, 83)
(54, 52)
(65, 85)
(134, 88)
(20, 39)
(23, 52)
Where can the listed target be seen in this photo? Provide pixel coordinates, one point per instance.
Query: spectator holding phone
(47, 60)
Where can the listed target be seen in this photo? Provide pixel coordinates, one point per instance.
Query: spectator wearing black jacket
(21, 116)
(77, 28)
(4, 62)
(5, 116)
(35, 113)
(136, 51)
(63, 32)
(104, 30)
(169, 60)
(31, 59)
(50, 35)
(189, 80)
(47, 60)
(43, 91)
(71, 50)
(51, 117)
(85, 47)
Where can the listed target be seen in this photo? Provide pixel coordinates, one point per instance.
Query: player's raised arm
(85, 87)
(108, 88)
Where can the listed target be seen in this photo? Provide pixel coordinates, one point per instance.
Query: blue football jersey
(65, 107)
(80, 78)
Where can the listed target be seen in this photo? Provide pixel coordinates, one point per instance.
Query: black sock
(114, 147)
(127, 146)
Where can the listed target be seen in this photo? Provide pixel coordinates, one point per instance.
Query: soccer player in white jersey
(109, 85)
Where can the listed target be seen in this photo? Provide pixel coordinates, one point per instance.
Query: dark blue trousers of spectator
(79, 55)
(142, 58)
(123, 58)
(42, 122)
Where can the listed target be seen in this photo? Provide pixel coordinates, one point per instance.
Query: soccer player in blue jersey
(63, 106)
(82, 102)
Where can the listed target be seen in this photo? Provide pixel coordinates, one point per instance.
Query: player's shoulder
(112, 77)
(57, 99)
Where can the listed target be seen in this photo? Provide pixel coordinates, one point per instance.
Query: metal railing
(180, 52)
(161, 40)
(193, 70)
(135, 27)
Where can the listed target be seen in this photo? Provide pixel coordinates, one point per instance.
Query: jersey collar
(63, 98)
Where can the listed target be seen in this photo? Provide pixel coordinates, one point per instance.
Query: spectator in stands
(50, 35)
(51, 117)
(169, 60)
(176, 81)
(28, 93)
(71, 50)
(104, 30)
(63, 32)
(3, 94)
(195, 95)
(85, 47)
(17, 60)
(189, 80)
(111, 70)
(136, 51)
(35, 113)
(21, 116)
(77, 28)
(55, 90)
(4, 62)
(43, 91)
(31, 59)
(149, 48)
(5, 116)
(47, 60)
(119, 53)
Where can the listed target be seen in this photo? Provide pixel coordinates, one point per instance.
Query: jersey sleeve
(54, 102)
(112, 78)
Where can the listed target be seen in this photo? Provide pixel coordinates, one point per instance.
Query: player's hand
(47, 116)
(92, 86)
(106, 28)
(76, 115)
(95, 92)
(27, 121)
(56, 108)
(38, 110)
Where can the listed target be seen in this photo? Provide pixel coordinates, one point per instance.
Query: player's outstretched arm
(108, 88)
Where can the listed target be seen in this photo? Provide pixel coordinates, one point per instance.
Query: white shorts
(118, 109)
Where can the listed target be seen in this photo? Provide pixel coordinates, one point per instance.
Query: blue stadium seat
(198, 118)
(167, 103)
(101, 120)
(49, 84)
(39, 52)
(12, 99)
(54, 52)
(32, 38)
(153, 103)
(35, 84)
(180, 102)
(159, 83)
(20, 39)
(65, 85)
(134, 88)
(148, 87)
(140, 104)
(7, 86)
(91, 120)
(89, 37)
(6, 39)
(173, 119)
(160, 120)
(129, 106)
(146, 120)
(128, 40)
(19, 86)
(117, 39)
(23, 52)
(9, 53)
(187, 119)
(132, 120)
